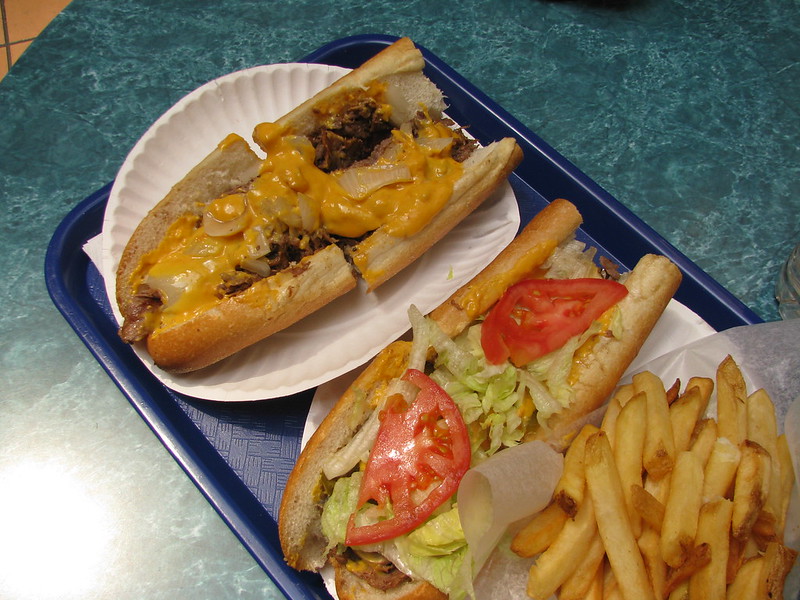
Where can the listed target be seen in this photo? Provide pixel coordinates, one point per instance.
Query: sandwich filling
(498, 403)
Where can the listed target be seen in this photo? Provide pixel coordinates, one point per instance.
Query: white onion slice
(259, 245)
(259, 267)
(222, 228)
(360, 182)
(309, 212)
(171, 286)
(357, 449)
(436, 144)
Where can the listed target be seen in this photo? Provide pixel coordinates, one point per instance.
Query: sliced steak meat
(380, 574)
(236, 281)
(350, 137)
(147, 299)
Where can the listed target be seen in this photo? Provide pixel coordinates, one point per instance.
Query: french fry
(624, 393)
(751, 547)
(682, 509)
(674, 391)
(580, 582)
(784, 457)
(595, 591)
(681, 592)
(659, 445)
(705, 385)
(709, 583)
(557, 563)
(778, 561)
(628, 451)
(618, 400)
(658, 488)
(569, 490)
(750, 488)
(648, 506)
(703, 439)
(736, 558)
(746, 584)
(697, 557)
(684, 414)
(605, 490)
(611, 589)
(650, 547)
(731, 413)
(721, 469)
(765, 529)
(762, 428)
(540, 532)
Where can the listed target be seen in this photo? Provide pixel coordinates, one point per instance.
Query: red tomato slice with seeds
(536, 316)
(420, 455)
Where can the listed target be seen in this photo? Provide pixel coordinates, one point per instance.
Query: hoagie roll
(490, 367)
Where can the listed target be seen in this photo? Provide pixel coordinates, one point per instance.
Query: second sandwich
(534, 343)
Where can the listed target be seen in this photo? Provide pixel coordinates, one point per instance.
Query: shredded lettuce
(439, 571)
(571, 260)
(340, 505)
(439, 536)
(433, 552)
(492, 398)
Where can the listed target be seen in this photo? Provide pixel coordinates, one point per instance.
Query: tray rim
(606, 210)
(248, 520)
(65, 254)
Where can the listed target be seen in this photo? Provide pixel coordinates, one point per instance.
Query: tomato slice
(421, 446)
(536, 316)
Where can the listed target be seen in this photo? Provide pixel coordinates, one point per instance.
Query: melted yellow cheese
(585, 351)
(474, 300)
(291, 192)
(229, 140)
(402, 208)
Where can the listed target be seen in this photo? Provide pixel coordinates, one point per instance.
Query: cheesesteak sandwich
(531, 345)
(358, 182)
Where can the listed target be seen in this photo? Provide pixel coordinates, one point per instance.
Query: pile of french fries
(663, 502)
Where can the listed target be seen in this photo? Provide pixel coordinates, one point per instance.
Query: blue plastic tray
(240, 454)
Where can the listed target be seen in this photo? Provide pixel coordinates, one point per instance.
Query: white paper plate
(346, 333)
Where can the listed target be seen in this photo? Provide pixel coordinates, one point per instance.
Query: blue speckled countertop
(686, 112)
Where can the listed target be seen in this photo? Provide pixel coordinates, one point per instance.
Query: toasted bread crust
(303, 544)
(402, 57)
(651, 285)
(352, 587)
(556, 223)
(383, 255)
(266, 307)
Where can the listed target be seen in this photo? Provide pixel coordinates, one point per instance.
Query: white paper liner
(509, 486)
